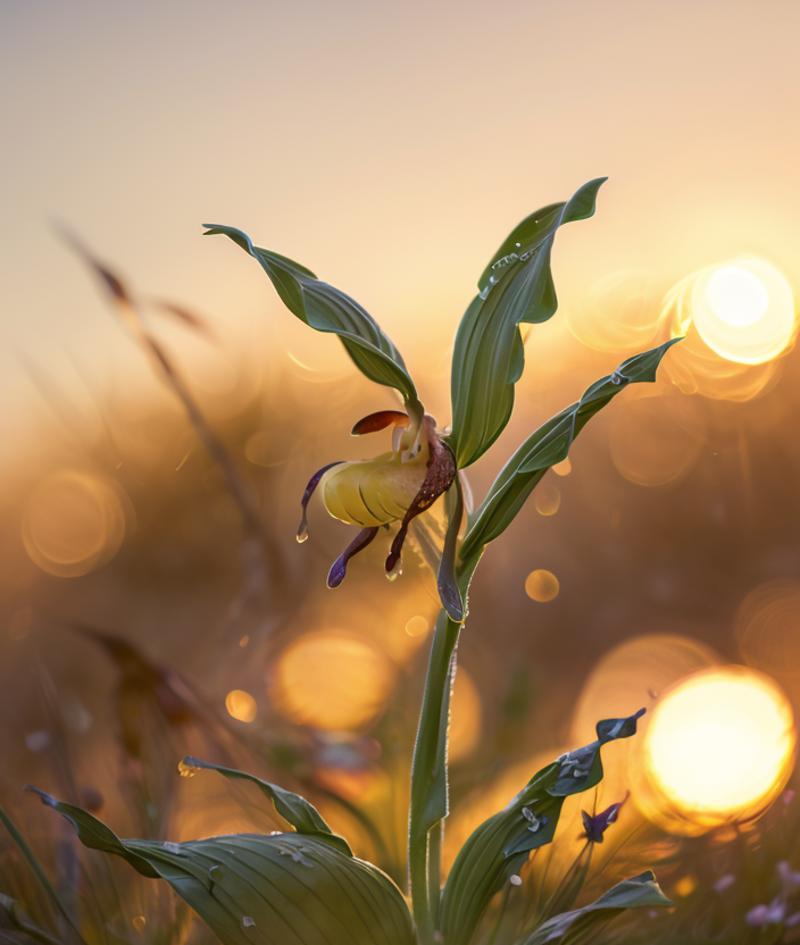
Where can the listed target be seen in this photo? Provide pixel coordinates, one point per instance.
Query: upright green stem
(429, 779)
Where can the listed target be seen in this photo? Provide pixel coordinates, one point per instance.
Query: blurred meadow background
(389, 148)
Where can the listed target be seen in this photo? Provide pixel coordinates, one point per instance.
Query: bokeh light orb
(737, 319)
(332, 681)
(73, 522)
(657, 440)
(744, 310)
(547, 499)
(718, 747)
(241, 705)
(542, 586)
(619, 313)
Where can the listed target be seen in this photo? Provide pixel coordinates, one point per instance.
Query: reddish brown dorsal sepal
(374, 422)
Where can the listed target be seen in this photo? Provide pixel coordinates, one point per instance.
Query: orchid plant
(305, 886)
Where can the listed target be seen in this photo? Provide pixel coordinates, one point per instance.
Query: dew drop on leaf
(185, 770)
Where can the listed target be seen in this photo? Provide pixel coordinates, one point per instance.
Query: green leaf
(294, 809)
(251, 889)
(634, 893)
(500, 846)
(488, 358)
(549, 445)
(327, 309)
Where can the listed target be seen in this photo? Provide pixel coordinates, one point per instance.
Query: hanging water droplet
(302, 534)
(186, 770)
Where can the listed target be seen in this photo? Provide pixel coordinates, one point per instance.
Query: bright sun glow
(736, 296)
(744, 310)
(720, 745)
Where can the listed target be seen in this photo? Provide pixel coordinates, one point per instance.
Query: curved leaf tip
(488, 357)
(325, 308)
(295, 809)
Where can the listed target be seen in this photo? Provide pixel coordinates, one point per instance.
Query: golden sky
(390, 147)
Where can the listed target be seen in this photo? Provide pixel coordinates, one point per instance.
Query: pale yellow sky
(389, 147)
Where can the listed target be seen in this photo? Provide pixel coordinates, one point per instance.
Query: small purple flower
(724, 883)
(772, 914)
(595, 825)
(790, 879)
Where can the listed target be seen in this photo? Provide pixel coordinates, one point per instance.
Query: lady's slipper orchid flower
(515, 291)
(393, 487)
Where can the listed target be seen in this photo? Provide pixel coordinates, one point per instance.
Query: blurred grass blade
(256, 547)
(16, 927)
(38, 871)
(638, 892)
(294, 809)
(327, 309)
(501, 845)
(187, 317)
(488, 358)
(251, 889)
(549, 445)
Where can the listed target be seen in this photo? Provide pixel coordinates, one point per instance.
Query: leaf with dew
(550, 444)
(515, 288)
(499, 847)
(254, 889)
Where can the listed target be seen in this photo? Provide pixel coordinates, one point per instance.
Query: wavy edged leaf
(488, 358)
(327, 309)
(633, 893)
(550, 444)
(296, 810)
(500, 846)
(251, 889)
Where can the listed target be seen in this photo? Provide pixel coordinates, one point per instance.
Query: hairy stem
(429, 778)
